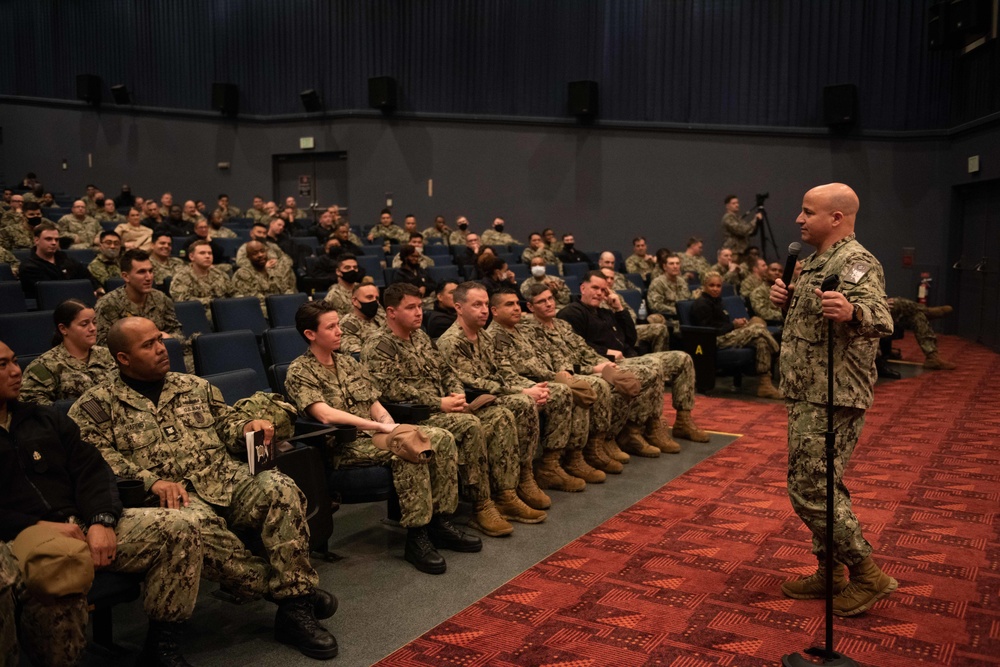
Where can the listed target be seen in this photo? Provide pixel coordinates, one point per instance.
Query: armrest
(343, 434)
(408, 413)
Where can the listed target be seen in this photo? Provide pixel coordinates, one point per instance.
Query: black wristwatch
(106, 519)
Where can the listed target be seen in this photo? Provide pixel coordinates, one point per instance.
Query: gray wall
(605, 185)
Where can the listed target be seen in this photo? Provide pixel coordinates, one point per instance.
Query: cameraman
(736, 229)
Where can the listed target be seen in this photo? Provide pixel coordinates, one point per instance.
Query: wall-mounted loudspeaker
(582, 99)
(382, 93)
(311, 101)
(840, 105)
(88, 89)
(226, 98)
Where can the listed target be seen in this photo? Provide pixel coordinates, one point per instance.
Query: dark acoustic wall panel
(754, 62)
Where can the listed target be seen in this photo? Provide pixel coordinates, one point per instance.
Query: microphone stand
(827, 654)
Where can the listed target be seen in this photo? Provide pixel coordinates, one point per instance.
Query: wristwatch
(856, 315)
(106, 519)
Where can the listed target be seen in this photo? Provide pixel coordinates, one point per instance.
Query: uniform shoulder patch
(503, 339)
(854, 272)
(386, 348)
(350, 326)
(95, 410)
(465, 348)
(41, 373)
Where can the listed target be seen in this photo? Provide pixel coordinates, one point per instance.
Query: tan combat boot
(631, 442)
(596, 455)
(656, 435)
(868, 585)
(550, 475)
(528, 491)
(684, 427)
(512, 509)
(766, 388)
(813, 587)
(934, 362)
(938, 312)
(574, 464)
(613, 451)
(487, 520)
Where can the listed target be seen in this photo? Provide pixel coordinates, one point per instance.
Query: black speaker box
(121, 95)
(840, 105)
(88, 89)
(382, 93)
(226, 98)
(311, 101)
(582, 99)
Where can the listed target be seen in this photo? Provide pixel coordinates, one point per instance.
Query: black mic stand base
(829, 658)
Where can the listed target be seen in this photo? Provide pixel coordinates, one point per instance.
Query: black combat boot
(421, 553)
(296, 624)
(444, 535)
(161, 648)
(324, 603)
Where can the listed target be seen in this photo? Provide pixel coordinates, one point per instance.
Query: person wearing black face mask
(366, 317)
(413, 273)
(496, 235)
(571, 254)
(341, 292)
(457, 237)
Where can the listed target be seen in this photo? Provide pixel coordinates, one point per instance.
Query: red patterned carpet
(689, 576)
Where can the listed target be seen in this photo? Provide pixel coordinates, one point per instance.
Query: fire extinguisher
(924, 287)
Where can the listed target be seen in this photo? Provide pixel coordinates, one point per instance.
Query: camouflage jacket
(102, 270)
(734, 277)
(15, 235)
(559, 347)
(183, 438)
(228, 212)
(83, 232)
(736, 231)
(664, 294)
(7, 257)
(804, 339)
(392, 231)
(433, 233)
(186, 286)
(425, 261)
(222, 232)
(274, 251)
(691, 264)
(346, 387)
(251, 282)
(492, 237)
(457, 237)
(168, 269)
(560, 292)
(340, 297)
(57, 374)
(141, 236)
(749, 284)
(760, 303)
(116, 217)
(115, 305)
(517, 350)
(355, 330)
(409, 370)
(641, 265)
(550, 257)
(622, 283)
(479, 364)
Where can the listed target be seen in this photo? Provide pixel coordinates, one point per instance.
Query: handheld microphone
(793, 256)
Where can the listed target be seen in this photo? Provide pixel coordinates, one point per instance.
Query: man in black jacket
(570, 254)
(58, 496)
(48, 262)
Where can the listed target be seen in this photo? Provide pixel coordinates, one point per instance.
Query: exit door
(316, 180)
(977, 266)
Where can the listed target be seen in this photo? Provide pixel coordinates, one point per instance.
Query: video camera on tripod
(761, 198)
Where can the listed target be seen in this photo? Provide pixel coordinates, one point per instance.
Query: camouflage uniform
(184, 438)
(167, 269)
(655, 334)
(115, 305)
(392, 231)
(355, 330)
(560, 292)
(251, 282)
(621, 283)
(492, 237)
(756, 336)
(116, 217)
(9, 576)
(734, 277)
(737, 232)
(425, 261)
(912, 315)
(58, 375)
(228, 212)
(424, 489)
(221, 232)
(457, 237)
(141, 236)
(697, 265)
(477, 364)
(256, 214)
(445, 235)
(188, 286)
(340, 297)
(564, 425)
(760, 303)
(83, 231)
(274, 251)
(749, 284)
(543, 252)
(101, 269)
(15, 235)
(413, 371)
(804, 384)
(664, 293)
(91, 205)
(640, 265)
(7, 257)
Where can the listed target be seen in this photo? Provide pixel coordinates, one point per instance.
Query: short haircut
(637, 239)
(199, 242)
(384, 211)
(502, 293)
(536, 290)
(139, 211)
(261, 223)
(462, 291)
(590, 275)
(546, 230)
(308, 314)
(534, 234)
(416, 235)
(362, 283)
(709, 275)
(345, 257)
(117, 340)
(729, 198)
(408, 215)
(129, 257)
(407, 251)
(394, 294)
(106, 234)
(31, 206)
(693, 240)
(223, 195)
(43, 227)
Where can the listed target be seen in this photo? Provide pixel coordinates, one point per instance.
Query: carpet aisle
(689, 576)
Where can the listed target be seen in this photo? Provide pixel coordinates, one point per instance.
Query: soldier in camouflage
(736, 228)
(732, 272)
(9, 258)
(18, 228)
(537, 248)
(175, 433)
(333, 388)
(554, 283)
(496, 236)
(457, 238)
(225, 210)
(105, 265)
(109, 213)
(366, 317)
(260, 281)
(860, 315)
(666, 290)
(341, 293)
(417, 241)
(201, 281)
(164, 265)
(66, 494)
(909, 314)
(440, 230)
(74, 365)
(406, 367)
(760, 297)
(472, 353)
(276, 257)
(387, 229)
(693, 263)
(79, 226)
(640, 261)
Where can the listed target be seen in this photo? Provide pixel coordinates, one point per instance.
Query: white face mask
(538, 271)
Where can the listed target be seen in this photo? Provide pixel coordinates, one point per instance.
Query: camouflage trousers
(9, 576)
(913, 316)
(558, 413)
(526, 420)
(424, 489)
(163, 544)
(656, 334)
(678, 369)
(649, 403)
(269, 504)
(756, 336)
(807, 477)
(484, 463)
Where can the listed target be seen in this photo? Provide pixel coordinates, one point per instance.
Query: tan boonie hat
(52, 564)
(407, 442)
(624, 381)
(583, 394)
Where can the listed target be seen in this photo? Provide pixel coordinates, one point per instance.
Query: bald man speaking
(861, 316)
